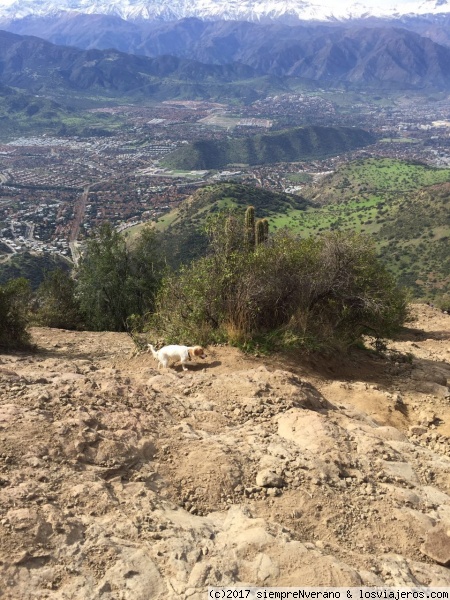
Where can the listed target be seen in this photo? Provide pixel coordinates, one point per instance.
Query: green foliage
(101, 281)
(318, 292)
(57, 305)
(146, 268)
(14, 303)
(115, 280)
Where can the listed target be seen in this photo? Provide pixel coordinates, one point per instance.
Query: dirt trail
(121, 481)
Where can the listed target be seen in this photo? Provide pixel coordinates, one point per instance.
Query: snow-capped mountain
(244, 10)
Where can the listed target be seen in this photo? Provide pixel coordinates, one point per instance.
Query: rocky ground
(121, 482)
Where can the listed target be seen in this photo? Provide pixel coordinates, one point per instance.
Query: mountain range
(249, 10)
(35, 65)
(228, 53)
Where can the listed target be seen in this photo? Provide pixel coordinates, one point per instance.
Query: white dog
(175, 353)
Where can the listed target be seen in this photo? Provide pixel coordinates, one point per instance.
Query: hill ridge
(300, 143)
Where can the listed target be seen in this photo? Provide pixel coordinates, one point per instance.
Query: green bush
(317, 292)
(443, 302)
(14, 305)
(57, 305)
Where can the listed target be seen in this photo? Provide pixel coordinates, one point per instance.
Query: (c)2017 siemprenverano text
(327, 593)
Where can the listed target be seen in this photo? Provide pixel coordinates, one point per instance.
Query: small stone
(437, 545)
(417, 430)
(267, 478)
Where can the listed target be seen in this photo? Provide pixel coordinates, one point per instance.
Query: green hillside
(411, 230)
(301, 143)
(182, 230)
(364, 179)
(22, 114)
(31, 266)
(415, 240)
(403, 205)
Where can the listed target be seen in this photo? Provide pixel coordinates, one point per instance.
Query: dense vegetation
(250, 288)
(301, 143)
(56, 302)
(314, 293)
(116, 281)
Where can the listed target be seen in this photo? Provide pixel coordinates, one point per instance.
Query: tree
(116, 280)
(14, 305)
(57, 305)
(102, 280)
(147, 266)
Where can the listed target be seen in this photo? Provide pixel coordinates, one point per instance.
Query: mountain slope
(402, 205)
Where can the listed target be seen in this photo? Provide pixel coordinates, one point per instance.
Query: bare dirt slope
(121, 482)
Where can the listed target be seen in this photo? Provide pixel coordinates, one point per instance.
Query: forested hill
(301, 143)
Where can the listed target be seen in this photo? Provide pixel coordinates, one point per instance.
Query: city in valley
(55, 190)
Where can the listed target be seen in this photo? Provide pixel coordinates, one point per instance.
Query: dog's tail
(152, 350)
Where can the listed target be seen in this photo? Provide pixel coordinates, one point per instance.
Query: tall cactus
(228, 236)
(266, 229)
(250, 227)
(259, 232)
(255, 233)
